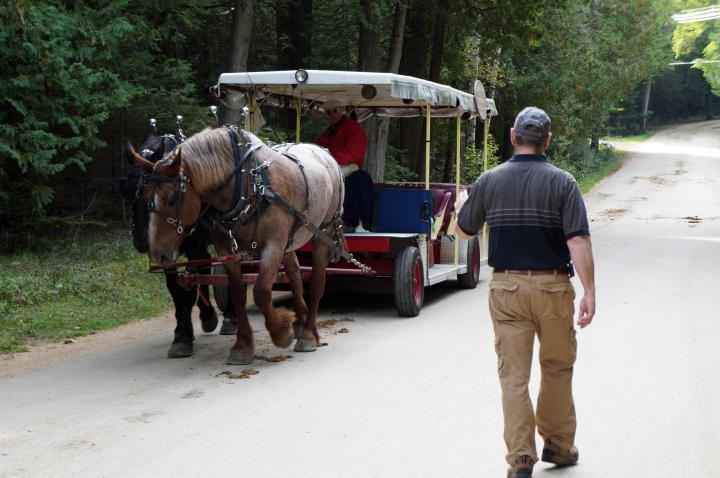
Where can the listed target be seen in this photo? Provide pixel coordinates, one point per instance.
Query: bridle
(181, 181)
(241, 201)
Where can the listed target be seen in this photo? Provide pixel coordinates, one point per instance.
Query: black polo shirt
(532, 208)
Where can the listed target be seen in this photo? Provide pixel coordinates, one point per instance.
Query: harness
(253, 194)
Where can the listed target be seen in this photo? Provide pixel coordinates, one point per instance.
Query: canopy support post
(298, 114)
(486, 132)
(458, 138)
(427, 146)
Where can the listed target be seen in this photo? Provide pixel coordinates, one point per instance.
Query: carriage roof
(382, 94)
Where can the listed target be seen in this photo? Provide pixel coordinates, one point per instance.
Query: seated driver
(347, 142)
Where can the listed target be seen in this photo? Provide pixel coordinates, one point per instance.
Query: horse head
(131, 188)
(173, 205)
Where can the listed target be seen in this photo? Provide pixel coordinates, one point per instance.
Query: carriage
(411, 242)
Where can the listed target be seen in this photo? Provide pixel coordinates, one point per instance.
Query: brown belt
(538, 272)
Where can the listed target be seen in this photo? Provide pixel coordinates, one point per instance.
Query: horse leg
(310, 337)
(278, 322)
(292, 271)
(244, 349)
(195, 247)
(182, 345)
(229, 324)
(208, 316)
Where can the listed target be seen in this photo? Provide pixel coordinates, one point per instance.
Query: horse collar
(240, 205)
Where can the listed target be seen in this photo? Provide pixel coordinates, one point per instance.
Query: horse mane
(206, 155)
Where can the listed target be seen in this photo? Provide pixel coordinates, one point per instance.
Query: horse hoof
(297, 329)
(239, 357)
(180, 350)
(229, 326)
(283, 341)
(305, 345)
(209, 324)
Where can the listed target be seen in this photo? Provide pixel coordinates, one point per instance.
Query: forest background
(79, 77)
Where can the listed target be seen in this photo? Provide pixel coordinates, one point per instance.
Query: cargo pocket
(557, 300)
(498, 351)
(504, 300)
(573, 346)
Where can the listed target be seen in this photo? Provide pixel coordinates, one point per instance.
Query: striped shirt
(531, 207)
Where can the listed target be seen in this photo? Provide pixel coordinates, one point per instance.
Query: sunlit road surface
(419, 397)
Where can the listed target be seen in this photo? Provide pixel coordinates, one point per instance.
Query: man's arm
(582, 258)
(354, 148)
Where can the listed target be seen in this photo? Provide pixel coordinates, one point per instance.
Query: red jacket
(346, 141)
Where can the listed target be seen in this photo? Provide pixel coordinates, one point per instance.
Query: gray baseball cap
(532, 122)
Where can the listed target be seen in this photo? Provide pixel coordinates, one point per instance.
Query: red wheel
(409, 282)
(470, 279)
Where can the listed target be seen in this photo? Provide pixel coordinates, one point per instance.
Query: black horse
(195, 246)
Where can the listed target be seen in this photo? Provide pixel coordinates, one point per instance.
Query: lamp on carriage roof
(301, 76)
(368, 92)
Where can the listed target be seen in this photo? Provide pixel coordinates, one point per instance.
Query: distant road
(419, 397)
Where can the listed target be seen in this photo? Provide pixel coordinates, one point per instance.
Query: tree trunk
(438, 43)
(369, 60)
(414, 62)
(369, 51)
(436, 57)
(375, 159)
(294, 36)
(646, 104)
(709, 98)
(241, 34)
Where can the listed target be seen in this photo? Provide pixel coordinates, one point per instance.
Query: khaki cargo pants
(521, 306)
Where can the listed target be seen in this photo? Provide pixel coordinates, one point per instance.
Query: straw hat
(331, 104)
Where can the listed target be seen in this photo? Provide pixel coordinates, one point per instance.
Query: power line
(698, 15)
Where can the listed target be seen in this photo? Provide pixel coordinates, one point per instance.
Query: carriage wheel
(220, 292)
(409, 282)
(470, 279)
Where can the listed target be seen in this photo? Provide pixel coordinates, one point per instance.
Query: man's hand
(581, 252)
(460, 201)
(587, 310)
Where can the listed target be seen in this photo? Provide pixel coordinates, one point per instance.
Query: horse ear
(179, 162)
(143, 163)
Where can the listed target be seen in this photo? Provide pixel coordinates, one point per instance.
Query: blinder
(181, 181)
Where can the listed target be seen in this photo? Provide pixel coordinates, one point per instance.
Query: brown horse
(266, 201)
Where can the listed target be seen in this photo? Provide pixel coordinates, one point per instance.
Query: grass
(605, 169)
(631, 139)
(65, 290)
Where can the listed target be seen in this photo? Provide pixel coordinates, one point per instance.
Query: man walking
(538, 233)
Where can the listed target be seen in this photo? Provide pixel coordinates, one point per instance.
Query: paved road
(419, 397)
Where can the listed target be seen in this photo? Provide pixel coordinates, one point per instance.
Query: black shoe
(552, 454)
(522, 467)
